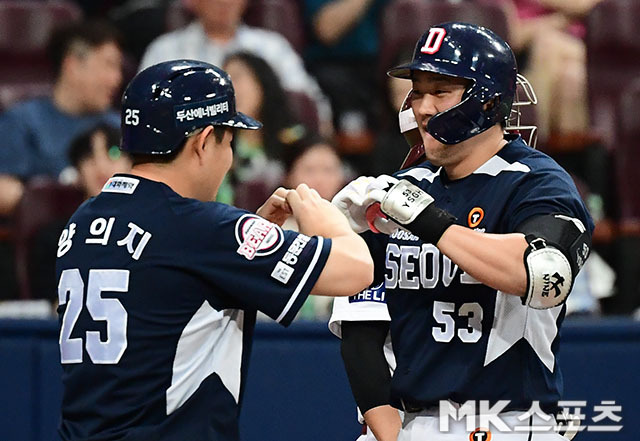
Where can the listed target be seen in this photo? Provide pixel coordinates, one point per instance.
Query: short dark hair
(81, 147)
(92, 33)
(275, 112)
(218, 132)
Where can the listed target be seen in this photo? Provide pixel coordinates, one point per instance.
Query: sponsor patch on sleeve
(373, 294)
(257, 236)
(282, 272)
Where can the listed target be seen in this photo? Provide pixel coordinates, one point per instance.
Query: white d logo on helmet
(434, 41)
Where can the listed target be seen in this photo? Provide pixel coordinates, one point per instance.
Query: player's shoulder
(195, 213)
(528, 159)
(424, 171)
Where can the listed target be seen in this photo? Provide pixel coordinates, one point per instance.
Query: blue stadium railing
(297, 388)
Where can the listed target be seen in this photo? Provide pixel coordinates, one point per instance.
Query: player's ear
(200, 141)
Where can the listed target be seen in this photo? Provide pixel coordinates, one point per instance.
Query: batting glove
(414, 209)
(354, 199)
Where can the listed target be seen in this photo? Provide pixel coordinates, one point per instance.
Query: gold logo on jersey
(475, 217)
(480, 435)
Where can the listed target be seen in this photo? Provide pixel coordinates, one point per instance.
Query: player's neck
(168, 175)
(476, 151)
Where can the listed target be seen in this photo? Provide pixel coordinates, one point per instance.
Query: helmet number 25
(131, 117)
(109, 310)
(443, 314)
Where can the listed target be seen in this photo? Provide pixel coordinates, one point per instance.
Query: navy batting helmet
(167, 101)
(475, 53)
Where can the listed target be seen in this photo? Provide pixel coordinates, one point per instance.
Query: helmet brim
(404, 70)
(242, 121)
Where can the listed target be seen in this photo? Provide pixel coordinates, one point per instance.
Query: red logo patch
(257, 236)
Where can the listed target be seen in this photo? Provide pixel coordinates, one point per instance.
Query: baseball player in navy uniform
(159, 287)
(478, 244)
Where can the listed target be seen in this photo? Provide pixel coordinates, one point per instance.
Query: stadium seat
(613, 60)
(282, 16)
(25, 27)
(627, 159)
(403, 21)
(304, 108)
(45, 204)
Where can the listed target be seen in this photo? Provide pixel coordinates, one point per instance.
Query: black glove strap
(431, 224)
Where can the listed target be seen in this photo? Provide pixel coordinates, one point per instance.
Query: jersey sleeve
(368, 305)
(257, 265)
(545, 192)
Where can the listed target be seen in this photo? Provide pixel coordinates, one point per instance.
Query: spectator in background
(258, 154)
(218, 31)
(313, 160)
(342, 54)
(548, 38)
(35, 134)
(94, 155)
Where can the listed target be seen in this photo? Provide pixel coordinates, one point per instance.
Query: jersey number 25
(100, 309)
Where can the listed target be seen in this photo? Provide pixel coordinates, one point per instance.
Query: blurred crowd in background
(313, 71)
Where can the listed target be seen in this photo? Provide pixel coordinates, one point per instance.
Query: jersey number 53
(443, 314)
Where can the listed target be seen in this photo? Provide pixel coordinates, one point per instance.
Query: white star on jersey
(513, 321)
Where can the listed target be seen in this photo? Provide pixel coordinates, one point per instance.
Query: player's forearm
(384, 422)
(496, 260)
(347, 251)
(337, 18)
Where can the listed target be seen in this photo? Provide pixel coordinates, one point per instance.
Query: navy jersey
(158, 295)
(455, 338)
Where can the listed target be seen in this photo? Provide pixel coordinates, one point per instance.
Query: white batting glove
(358, 196)
(377, 221)
(352, 201)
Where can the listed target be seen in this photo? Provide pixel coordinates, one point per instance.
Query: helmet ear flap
(407, 121)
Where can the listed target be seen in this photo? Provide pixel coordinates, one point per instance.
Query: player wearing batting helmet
(159, 286)
(477, 241)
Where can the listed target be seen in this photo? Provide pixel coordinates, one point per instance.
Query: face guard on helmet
(525, 96)
(166, 102)
(466, 51)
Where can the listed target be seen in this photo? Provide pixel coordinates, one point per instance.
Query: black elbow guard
(558, 247)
